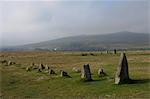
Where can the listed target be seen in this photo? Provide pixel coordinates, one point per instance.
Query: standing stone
(107, 52)
(64, 74)
(115, 51)
(86, 73)
(122, 75)
(101, 72)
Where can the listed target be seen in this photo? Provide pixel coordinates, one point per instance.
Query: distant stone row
(42, 67)
(107, 52)
(122, 75)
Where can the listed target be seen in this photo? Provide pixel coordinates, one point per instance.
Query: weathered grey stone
(47, 67)
(77, 70)
(86, 73)
(101, 72)
(122, 75)
(41, 66)
(51, 71)
(64, 74)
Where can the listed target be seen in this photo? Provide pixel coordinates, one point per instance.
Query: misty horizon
(32, 22)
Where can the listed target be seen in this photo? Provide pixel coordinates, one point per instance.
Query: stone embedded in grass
(28, 69)
(41, 66)
(35, 66)
(64, 74)
(77, 70)
(122, 74)
(86, 73)
(47, 67)
(101, 73)
(51, 71)
(39, 70)
(10, 63)
(3, 61)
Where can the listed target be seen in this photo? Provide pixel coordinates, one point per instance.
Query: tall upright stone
(107, 52)
(115, 51)
(122, 74)
(86, 73)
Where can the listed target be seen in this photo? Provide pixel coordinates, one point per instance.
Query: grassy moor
(19, 83)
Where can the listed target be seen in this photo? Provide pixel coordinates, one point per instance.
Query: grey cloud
(38, 21)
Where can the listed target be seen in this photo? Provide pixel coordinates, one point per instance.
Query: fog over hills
(119, 40)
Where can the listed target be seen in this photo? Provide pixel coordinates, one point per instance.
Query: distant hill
(119, 40)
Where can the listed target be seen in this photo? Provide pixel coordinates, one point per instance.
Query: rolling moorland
(17, 83)
(119, 40)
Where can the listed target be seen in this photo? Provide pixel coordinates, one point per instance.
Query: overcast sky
(23, 22)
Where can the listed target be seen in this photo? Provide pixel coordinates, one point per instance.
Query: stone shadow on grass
(139, 81)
